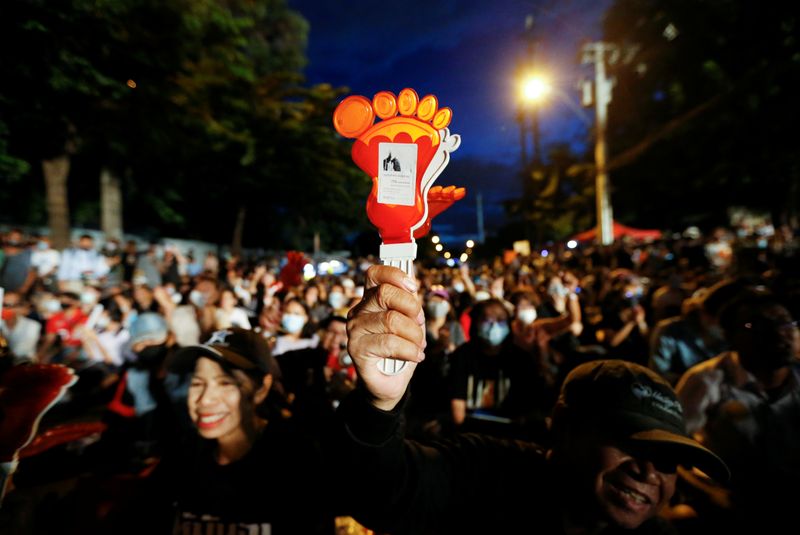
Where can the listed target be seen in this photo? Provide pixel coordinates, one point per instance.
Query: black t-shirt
(505, 384)
(279, 487)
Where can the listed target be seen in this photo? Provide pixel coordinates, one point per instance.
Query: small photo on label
(397, 173)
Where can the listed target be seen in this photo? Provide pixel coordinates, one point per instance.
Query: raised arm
(387, 323)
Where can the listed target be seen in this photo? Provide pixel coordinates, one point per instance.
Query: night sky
(466, 53)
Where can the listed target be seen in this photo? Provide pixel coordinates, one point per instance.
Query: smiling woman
(240, 468)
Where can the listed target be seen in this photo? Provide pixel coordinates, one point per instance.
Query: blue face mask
(337, 300)
(293, 323)
(494, 332)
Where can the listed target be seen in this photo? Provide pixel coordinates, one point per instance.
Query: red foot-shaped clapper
(406, 120)
(403, 154)
(439, 199)
(27, 392)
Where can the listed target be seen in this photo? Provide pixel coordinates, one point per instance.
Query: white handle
(394, 366)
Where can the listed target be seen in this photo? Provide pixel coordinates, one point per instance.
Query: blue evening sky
(466, 53)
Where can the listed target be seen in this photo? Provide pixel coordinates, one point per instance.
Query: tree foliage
(557, 197)
(715, 82)
(199, 105)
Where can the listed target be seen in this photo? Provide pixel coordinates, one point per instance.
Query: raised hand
(387, 323)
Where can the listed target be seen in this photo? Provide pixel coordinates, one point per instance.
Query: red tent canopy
(620, 230)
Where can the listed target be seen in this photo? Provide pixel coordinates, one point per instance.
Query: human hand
(387, 323)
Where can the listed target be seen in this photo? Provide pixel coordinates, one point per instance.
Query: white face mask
(103, 322)
(198, 298)
(482, 295)
(458, 287)
(293, 323)
(88, 298)
(52, 305)
(336, 299)
(438, 309)
(526, 315)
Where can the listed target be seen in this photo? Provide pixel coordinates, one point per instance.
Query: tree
(557, 198)
(721, 76)
(194, 112)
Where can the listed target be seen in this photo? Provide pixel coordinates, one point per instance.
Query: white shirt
(235, 318)
(45, 262)
(23, 338)
(112, 342)
(75, 262)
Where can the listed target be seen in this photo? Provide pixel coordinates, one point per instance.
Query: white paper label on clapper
(397, 173)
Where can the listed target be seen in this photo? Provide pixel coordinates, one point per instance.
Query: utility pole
(596, 53)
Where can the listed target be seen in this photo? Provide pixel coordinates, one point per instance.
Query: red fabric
(61, 434)
(64, 326)
(292, 272)
(620, 230)
(26, 393)
(116, 405)
(466, 322)
(335, 365)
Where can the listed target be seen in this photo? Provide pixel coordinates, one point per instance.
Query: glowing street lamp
(470, 244)
(534, 88)
(447, 255)
(439, 247)
(464, 257)
(434, 239)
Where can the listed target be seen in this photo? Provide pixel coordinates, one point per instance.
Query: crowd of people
(213, 377)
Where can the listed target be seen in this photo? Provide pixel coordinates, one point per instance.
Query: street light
(533, 89)
(434, 239)
(439, 247)
(470, 244)
(447, 255)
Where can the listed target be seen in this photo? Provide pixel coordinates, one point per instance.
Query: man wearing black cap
(618, 437)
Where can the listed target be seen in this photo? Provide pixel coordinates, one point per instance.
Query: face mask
(438, 309)
(293, 323)
(494, 332)
(499, 293)
(103, 322)
(557, 290)
(176, 298)
(52, 305)
(526, 315)
(42, 246)
(458, 287)
(482, 295)
(88, 298)
(336, 299)
(198, 298)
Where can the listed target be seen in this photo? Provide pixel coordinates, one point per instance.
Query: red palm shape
(439, 200)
